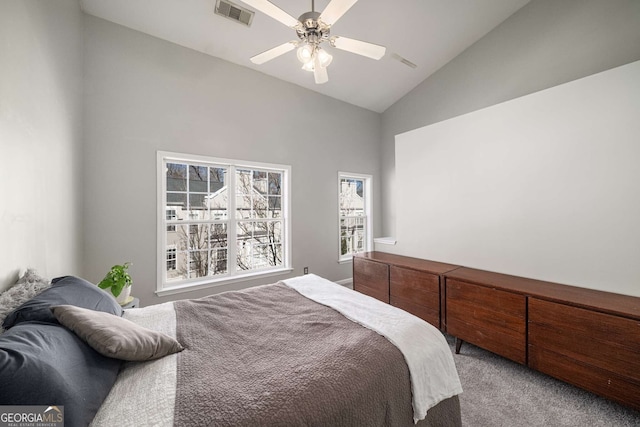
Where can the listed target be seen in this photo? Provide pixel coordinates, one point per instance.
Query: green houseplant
(118, 281)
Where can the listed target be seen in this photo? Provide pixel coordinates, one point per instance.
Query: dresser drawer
(417, 292)
(594, 339)
(371, 278)
(589, 377)
(489, 318)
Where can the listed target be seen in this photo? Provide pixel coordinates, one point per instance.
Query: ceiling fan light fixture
(324, 57)
(308, 66)
(305, 53)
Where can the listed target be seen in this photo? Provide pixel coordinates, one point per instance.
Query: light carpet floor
(500, 393)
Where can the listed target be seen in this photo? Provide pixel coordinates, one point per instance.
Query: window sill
(212, 283)
(385, 240)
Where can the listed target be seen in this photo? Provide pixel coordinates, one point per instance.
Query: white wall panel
(543, 186)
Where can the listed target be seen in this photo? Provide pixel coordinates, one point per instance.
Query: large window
(220, 220)
(354, 205)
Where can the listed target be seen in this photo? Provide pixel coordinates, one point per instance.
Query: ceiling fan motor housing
(311, 29)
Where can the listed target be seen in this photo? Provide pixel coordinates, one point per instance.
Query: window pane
(260, 258)
(171, 259)
(217, 179)
(265, 256)
(344, 245)
(245, 245)
(272, 230)
(274, 255)
(263, 232)
(260, 206)
(177, 237)
(243, 207)
(244, 239)
(260, 182)
(218, 204)
(275, 183)
(198, 209)
(180, 272)
(198, 264)
(218, 236)
(347, 235)
(218, 262)
(198, 236)
(244, 231)
(177, 202)
(198, 179)
(243, 181)
(275, 207)
(351, 197)
(176, 177)
(259, 244)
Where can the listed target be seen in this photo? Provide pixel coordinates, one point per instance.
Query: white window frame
(168, 288)
(368, 218)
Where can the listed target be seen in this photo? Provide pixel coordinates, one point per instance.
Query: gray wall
(143, 94)
(40, 137)
(546, 43)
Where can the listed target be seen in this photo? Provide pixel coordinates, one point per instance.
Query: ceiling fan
(314, 28)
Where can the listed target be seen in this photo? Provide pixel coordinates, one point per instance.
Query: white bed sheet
(154, 381)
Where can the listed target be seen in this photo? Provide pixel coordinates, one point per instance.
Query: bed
(304, 351)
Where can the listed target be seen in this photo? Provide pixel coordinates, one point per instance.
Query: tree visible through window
(222, 220)
(354, 214)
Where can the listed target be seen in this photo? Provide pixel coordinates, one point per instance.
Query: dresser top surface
(606, 302)
(408, 262)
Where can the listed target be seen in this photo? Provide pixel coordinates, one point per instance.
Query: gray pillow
(115, 337)
(27, 287)
(67, 290)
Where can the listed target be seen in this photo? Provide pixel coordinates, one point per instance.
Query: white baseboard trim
(346, 282)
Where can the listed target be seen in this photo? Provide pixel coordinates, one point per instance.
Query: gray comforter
(268, 356)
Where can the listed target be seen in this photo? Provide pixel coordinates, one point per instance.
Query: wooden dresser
(585, 337)
(413, 284)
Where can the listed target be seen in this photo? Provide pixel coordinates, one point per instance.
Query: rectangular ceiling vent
(234, 12)
(403, 60)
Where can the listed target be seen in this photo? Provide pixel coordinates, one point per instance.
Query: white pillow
(27, 287)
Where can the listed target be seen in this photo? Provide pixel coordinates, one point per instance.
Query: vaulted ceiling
(428, 33)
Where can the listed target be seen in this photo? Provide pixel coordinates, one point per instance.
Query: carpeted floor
(500, 393)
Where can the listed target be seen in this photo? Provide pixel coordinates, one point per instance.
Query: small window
(220, 220)
(354, 211)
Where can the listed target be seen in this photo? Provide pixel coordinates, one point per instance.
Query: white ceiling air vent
(403, 60)
(234, 12)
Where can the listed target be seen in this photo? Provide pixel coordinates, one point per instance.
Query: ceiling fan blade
(335, 9)
(319, 72)
(370, 50)
(270, 9)
(268, 55)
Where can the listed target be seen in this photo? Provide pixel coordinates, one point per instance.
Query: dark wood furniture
(413, 284)
(490, 318)
(585, 337)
